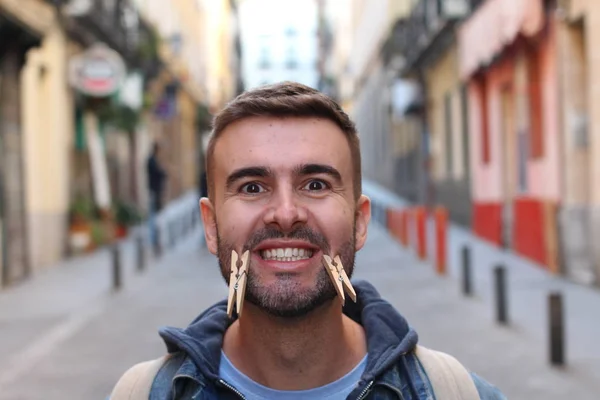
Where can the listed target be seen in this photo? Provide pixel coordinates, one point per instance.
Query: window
(290, 32)
(484, 123)
(448, 134)
(290, 60)
(534, 75)
(464, 116)
(264, 60)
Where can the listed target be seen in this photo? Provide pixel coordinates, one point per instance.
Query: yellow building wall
(220, 75)
(188, 150)
(47, 121)
(442, 80)
(589, 10)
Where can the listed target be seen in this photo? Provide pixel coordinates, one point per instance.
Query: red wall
(487, 221)
(529, 236)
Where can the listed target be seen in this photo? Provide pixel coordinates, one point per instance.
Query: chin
(288, 296)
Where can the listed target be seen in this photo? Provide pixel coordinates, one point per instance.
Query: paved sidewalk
(528, 287)
(100, 338)
(44, 310)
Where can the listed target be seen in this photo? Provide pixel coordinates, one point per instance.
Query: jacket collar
(388, 336)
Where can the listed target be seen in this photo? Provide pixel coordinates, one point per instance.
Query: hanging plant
(121, 117)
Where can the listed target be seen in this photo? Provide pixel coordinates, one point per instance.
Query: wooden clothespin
(237, 282)
(339, 278)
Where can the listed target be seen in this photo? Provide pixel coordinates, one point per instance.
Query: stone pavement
(79, 352)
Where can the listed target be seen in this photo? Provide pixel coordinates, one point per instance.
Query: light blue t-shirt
(338, 390)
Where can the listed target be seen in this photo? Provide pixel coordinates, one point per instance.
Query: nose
(285, 211)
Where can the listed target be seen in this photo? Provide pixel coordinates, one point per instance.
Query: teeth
(286, 254)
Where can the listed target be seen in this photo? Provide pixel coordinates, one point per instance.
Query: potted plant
(80, 216)
(126, 215)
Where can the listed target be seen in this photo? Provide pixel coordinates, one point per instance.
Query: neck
(295, 354)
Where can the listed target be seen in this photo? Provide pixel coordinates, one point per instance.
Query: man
(285, 216)
(156, 183)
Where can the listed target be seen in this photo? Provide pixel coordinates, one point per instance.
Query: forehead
(282, 144)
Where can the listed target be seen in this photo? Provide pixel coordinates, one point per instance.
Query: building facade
(579, 222)
(71, 152)
(35, 134)
(513, 117)
(368, 79)
(432, 162)
(280, 42)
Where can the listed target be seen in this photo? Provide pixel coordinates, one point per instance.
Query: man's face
(283, 190)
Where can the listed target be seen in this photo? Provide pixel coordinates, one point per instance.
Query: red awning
(494, 25)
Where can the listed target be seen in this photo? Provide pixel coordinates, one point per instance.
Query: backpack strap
(449, 379)
(135, 384)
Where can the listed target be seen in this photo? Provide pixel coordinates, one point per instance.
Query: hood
(388, 334)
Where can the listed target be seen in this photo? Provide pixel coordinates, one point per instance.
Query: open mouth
(286, 254)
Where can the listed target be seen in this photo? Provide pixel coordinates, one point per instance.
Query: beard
(286, 297)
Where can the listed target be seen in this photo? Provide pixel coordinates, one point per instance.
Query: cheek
(235, 224)
(336, 223)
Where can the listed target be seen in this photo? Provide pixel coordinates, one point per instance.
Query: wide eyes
(314, 185)
(252, 188)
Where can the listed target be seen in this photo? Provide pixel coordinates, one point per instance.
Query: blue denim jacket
(392, 372)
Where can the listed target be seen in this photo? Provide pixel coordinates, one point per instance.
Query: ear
(209, 219)
(363, 217)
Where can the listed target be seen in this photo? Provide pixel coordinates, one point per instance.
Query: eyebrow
(301, 170)
(312, 169)
(249, 172)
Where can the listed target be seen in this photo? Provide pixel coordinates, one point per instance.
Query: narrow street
(75, 345)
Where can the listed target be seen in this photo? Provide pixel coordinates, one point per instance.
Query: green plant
(149, 45)
(120, 116)
(126, 214)
(82, 209)
(203, 118)
(98, 233)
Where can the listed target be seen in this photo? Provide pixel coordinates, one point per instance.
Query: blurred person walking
(156, 184)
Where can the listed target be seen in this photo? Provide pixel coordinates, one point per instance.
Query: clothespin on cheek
(237, 282)
(339, 278)
(345, 280)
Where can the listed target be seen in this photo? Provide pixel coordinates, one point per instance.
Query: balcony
(427, 31)
(115, 23)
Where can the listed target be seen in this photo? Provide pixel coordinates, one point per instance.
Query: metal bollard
(141, 253)
(501, 299)
(171, 234)
(116, 267)
(158, 244)
(376, 212)
(557, 329)
(466, 271)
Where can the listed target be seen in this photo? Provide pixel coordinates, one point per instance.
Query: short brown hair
(285, 99)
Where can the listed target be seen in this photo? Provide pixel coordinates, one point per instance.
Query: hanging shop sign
(97, 72)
